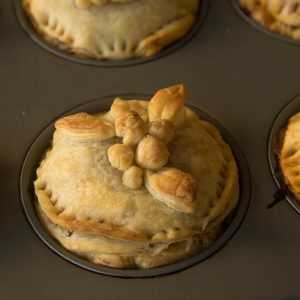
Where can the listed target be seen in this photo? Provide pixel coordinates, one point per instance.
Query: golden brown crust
(289, 157)
(83, 124)
(108, 252)
(229, 184)
(168, 104)
(173, 187)
(163, 130)
(154, 43)
(131, 127)
(120, 106)
(120, 156)
(191, 117)
(89, 226)
(151, 153)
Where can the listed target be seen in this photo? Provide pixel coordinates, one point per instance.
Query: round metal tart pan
(36, 37)
(42, 142)
(260, 27)
(274, 145)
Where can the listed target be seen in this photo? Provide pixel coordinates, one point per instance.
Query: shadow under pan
(42, 142)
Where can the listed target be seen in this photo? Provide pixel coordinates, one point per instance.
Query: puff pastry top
(83, 125)
(112, 29)
(94, 186)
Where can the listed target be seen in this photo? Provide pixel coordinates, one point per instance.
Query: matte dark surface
(237, 74)
(42, 143)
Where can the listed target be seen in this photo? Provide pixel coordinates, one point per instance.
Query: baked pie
(144, 184)
(281, 16)
(289, 157)
(112, 29)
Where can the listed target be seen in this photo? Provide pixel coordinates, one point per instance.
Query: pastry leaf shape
(173, 187)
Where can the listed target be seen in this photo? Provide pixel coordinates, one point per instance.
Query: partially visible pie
(290, 155)
(112, 29)
(142, 185)
(281, 16)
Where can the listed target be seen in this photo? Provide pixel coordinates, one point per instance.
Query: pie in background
(112, 29)
(289, 157)
(281, 16)
(142, 185)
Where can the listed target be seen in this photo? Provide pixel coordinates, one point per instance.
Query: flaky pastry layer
(127, 254)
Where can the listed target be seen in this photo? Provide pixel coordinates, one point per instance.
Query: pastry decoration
(131, 127)
(168, 104)
(86, 125)
(120, 156)
(133, 177)
(171, 186)
(163, 130)
(152, 153)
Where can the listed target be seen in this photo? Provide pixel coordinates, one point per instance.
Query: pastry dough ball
(163, 130)
(151, 153)
(131, 127)
(120, 156)
(133, 177)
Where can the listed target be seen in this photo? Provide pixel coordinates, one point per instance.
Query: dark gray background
(238, 75)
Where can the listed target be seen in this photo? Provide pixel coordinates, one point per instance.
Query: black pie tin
(273, 147)
(36, 37)
(27, 197)
(260, 27)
